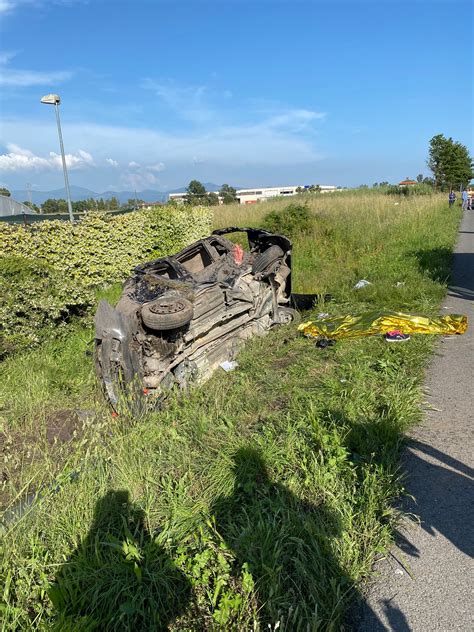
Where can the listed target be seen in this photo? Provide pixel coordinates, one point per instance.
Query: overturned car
(180, 317)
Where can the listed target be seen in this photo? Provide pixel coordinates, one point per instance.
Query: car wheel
(267, 259)
(167, 312)
(288, 315)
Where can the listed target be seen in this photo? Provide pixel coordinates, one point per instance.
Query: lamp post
(53, 99)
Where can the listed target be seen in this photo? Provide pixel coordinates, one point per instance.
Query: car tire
(267, 259)
(167, 312)
(288, 315)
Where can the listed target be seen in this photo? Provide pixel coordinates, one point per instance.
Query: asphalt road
(428, 583)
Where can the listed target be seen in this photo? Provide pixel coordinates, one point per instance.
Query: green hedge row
(48, 270)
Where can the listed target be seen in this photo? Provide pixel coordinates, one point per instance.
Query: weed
(256, 502)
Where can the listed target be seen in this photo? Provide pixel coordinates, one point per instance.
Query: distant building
(181, 197)
(251, 196)
(259, 194)
(149, 205)
(407, 183)
(12, 207)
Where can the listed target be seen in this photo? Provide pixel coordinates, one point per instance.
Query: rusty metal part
(180, 316)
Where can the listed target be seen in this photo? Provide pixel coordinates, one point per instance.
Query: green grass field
(257, 501)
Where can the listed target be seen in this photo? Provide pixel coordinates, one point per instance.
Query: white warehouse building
(261, 194)
(250, 196)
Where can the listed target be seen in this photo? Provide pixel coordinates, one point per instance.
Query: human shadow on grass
(118, 578)
(286, 544)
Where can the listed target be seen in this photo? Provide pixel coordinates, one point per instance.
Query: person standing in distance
(465, 199)
(451, 198)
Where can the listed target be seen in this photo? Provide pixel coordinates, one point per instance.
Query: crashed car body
(181, 316)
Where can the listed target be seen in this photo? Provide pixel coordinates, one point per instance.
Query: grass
(254, 502)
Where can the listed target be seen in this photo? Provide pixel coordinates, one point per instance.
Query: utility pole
(53, 99)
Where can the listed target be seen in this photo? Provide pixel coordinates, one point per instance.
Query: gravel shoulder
(427, 583)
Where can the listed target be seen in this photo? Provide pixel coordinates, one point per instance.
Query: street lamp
(53, 99)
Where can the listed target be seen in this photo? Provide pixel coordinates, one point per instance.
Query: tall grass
(257, 501)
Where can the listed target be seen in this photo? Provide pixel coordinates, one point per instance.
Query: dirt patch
(285, 361)
(21, 454)
(62, 426)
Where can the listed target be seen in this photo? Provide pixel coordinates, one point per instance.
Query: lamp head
(51, 99)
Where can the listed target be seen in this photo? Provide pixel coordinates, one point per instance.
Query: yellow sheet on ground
(381, 322)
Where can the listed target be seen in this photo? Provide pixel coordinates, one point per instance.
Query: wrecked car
(181, 316)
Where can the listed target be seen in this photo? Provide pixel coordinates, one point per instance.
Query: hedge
(48, 270)
(102, 248)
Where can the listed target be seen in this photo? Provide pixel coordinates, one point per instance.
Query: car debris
(181, 316)
(362, 283)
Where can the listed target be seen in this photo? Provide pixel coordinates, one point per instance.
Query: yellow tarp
(381, 322)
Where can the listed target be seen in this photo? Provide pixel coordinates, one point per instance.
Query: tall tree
(52, 205)
(419, 178)
(196, 193)
(5, 192)
(212, 199)
(228, 194)
(32, 206)
(450, 162)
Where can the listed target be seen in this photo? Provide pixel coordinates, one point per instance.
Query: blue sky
(156, 93)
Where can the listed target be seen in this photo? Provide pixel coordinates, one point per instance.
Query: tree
(32, 206)
(54, 206)
(228, 194)
(196, 192)
(450, 162)
(212, 199)
(114, 203)
(419, 178)
(81, 205)
(5, 192)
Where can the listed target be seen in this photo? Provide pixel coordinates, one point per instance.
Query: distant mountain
(209, 186)
(81, 193)
(38, 197)
(148, 195)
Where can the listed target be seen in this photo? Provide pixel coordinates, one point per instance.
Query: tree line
(196, 194)
(449, 161)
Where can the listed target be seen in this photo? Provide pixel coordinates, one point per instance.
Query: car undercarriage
(181, 316)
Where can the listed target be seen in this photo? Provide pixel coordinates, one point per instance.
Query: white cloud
(11, 77)
(277, 140)
(20, 159)
(138, 181)
(159, 166)
(10, 5)
(6, 5)
(189, 102)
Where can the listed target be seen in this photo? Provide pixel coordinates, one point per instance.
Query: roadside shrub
(414, 189)
(36, 302)
(49, 269)
(293, 220)
(103, 248)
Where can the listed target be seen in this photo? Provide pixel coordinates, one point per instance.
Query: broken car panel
(180, 316)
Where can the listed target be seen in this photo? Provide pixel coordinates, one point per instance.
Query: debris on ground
(229, 365)
(362, 283)
(396, 336)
